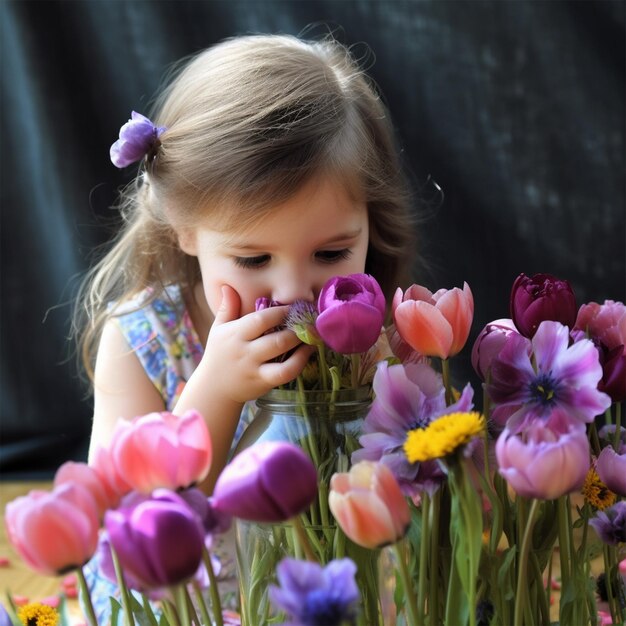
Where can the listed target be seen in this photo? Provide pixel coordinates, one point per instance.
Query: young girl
(271, 167)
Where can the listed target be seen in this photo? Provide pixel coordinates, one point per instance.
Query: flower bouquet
(430, 511)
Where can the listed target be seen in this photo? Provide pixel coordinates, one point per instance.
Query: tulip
(368, 504)
(540, 298)
(88, 477)
(114, 483)
(491, 339)
(271, 481)
(606, 323)
(434, 324)
(611, 468)
(613, 381)
(162, 450)
(351, 313)
(54, 532)
(550, 459)
(158, 540)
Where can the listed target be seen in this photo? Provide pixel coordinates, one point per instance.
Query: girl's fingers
(229, 307)
(258, 323)
(280, 373)
(273, 345)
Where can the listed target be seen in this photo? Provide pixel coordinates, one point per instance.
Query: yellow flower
(443, 436)
(596, 492)
(36, 614)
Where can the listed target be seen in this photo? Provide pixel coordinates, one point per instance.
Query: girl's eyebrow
(244, 247)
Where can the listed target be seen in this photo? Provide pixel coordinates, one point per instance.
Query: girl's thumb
(229, 307)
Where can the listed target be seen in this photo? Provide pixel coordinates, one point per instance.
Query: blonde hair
(248, 121)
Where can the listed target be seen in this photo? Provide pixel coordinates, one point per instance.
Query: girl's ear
(187, 241)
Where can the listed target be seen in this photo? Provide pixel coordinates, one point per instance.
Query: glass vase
(327, 426)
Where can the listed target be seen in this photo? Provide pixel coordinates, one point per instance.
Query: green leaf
(116, 612)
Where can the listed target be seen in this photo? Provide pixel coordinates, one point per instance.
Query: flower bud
(491, 339)
(540, 298)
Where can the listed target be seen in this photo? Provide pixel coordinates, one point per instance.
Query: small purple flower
(158, 540)
(351, 313)
(270, 481)
(313, 595)
(527, 385)
(301, 320)
(138, 137)
(406, 397)
(610, 524)
(611, 468)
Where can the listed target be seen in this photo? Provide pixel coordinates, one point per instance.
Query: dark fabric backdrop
(515, 109)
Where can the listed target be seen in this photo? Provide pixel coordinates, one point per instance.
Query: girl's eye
(252, 262)
(333, 256)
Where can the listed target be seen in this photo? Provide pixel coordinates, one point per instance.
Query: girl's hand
(239, 358)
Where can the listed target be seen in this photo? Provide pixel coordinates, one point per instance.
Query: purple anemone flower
(312, 595)
(554, 375)
(611, 524)
(137, 138)
(406, 397)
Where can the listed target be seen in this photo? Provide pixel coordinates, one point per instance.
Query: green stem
(424, 549)
(564, 548)
(433, 596)
(411, 602)
(181, 604)
(618, 426)
(355, 363)
(206, 619)
(216, 603)
(522, 577)
(171, 613)
(304, 540)
(128, 612)
(445, 374)
(322, 365)
(148, 610)
(91, 614)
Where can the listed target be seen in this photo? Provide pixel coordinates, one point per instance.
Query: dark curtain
(514, 109)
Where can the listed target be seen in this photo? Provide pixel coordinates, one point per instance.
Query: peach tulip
(434, 324)
(54, 532)
(368, 504)
(162, 450)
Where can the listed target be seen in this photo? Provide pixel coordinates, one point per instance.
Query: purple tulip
(158, 540)
(613, 380)
(610, 524)
(351, 313)
(550, 459)
(540, 298)
(313, 595)
(213, 521)
(271, 481)
(611, 468)
(137, 138)
(488, 344)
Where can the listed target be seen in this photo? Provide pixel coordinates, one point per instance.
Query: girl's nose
(292, 288)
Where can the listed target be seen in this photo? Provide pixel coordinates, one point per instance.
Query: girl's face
(319, 233)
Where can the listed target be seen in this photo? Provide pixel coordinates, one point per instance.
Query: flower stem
(201, 603)
(91, 614)
(303, 539)
(322, 365)
(433, 596)
(618, 426)
(424, 546)
(522, 577)
(128, 612)
(408, 585)
(216, 603)
(445, 374)
(181, 605)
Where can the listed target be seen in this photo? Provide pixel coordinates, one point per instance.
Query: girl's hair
(248, 121)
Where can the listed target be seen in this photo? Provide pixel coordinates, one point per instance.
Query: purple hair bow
(138, 137)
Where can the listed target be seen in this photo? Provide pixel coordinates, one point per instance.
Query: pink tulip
(488, 344)
(605, 323)
(54, 532)
(114, 484)
(611, 468)
(162, 450)
(547, 460)
(88, 477)
(368, 504)
(434, 324)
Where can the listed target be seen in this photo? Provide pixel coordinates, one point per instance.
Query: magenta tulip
(162, 450)
(434, 324)
(611, 468)
(491, 339)
(159, 539)
(540, 298)
(351, 313)
(549, 459)
(270, 481)
(369, 505)
(54, 532)
(613, 381)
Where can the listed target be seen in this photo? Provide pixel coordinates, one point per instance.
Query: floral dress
(161, 334)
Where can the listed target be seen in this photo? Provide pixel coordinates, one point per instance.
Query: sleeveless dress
(162, 336)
